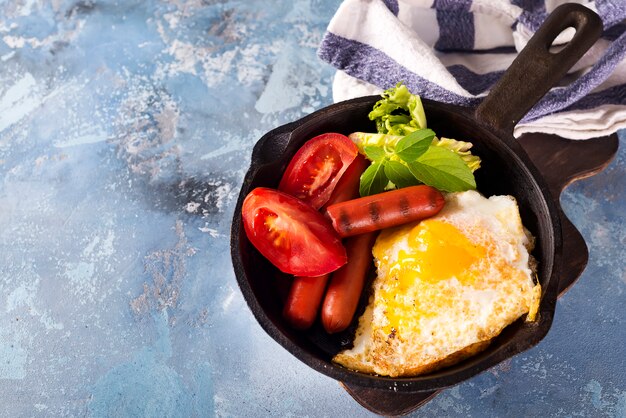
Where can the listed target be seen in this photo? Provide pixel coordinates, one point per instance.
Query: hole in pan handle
(536, 70)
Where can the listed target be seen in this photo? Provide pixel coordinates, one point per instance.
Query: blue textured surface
(125, 131)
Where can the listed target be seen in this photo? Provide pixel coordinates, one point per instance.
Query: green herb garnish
(404, 153)
(373, 180)
(443, 169)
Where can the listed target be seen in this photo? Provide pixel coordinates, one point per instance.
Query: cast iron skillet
(506, 169)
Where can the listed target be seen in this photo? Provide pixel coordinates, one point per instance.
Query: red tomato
(290, 234)
(314, 171)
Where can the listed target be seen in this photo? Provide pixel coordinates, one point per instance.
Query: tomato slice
(290, 234)
(314, 171)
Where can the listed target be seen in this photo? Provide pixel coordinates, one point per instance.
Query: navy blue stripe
(613, 95)
(532, 20)
(456, 25)
(613, 26)
(452, 5)
(533, 13)
(369, 64)
(561, 98)
(614, 32)
(473, 82)
(496, 50)
(392, 5)
(531, 5)
(610, 12)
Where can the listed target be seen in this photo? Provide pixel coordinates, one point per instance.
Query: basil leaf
(374, 153)
(399, 174)
(373, 180)
(443, 169)
(415, 144)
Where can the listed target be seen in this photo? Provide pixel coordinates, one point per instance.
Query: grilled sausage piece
(346, 284)
(385, 210)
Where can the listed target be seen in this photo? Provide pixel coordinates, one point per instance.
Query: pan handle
(536, 70)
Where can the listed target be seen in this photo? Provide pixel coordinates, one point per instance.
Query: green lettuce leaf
(389, 142)
(462, 149)
(364, 139)
(398, 112)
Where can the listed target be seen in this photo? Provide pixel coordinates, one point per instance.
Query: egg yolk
(436, 251)
(442, 252)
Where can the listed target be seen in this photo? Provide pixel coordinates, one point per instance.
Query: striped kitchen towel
(455, 50)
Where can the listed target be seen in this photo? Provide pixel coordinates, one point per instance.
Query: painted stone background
(125, 130)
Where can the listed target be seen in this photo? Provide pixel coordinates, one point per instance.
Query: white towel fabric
(454, 50)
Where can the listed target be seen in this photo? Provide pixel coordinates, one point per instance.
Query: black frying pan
(506, 169)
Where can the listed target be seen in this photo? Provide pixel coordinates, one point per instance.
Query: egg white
(434, 323)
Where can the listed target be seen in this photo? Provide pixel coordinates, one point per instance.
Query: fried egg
(445, 287)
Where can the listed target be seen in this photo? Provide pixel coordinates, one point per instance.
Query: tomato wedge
(290, 234)
(314, 171)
